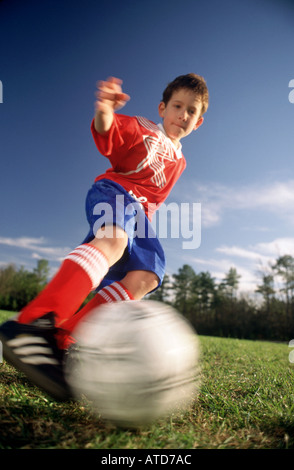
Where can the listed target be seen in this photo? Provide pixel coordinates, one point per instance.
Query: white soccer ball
(135, 361)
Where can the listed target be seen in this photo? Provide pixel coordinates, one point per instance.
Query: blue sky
(240, 163)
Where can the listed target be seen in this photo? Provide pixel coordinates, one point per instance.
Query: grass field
(246, 401)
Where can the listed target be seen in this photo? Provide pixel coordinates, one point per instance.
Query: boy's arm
(110, 98)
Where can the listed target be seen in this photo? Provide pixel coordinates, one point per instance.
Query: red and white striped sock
(115, 292)
(80, 273)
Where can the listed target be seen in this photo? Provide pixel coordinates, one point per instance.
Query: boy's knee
(140, 283)
(152, 282)
(112, 241)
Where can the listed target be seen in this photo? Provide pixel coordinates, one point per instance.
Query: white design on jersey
(159, 149)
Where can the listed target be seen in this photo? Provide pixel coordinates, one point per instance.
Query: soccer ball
(134, 361)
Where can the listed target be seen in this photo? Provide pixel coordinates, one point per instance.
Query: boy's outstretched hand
(110, 98)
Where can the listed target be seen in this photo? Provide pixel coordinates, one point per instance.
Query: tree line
(213, 308)
(19, 286)
(216, 309)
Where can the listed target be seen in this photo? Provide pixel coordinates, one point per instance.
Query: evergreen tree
(183, 284)
(266, 289)
(231, 282)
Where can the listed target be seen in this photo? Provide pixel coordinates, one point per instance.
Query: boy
(146, 161)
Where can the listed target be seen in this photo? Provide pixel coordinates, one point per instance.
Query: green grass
(246, 401)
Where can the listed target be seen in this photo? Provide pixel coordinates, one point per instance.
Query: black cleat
(33, 350)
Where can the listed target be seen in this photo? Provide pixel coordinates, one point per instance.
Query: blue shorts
(108, 204)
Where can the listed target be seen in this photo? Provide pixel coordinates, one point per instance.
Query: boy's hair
(192, 82)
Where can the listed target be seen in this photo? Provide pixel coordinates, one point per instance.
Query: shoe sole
(40, 380)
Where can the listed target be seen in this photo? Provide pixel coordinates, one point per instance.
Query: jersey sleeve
(116, 143)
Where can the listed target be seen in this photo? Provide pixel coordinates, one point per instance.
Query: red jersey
(144, 160)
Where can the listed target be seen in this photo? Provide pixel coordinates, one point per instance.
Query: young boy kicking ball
(146, 161)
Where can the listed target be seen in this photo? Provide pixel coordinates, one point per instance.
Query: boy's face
(181, 115)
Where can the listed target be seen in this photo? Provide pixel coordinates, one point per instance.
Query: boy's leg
(80, 273)
(140, 282)
(31, 343)
(134, 286)
(115, 292)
